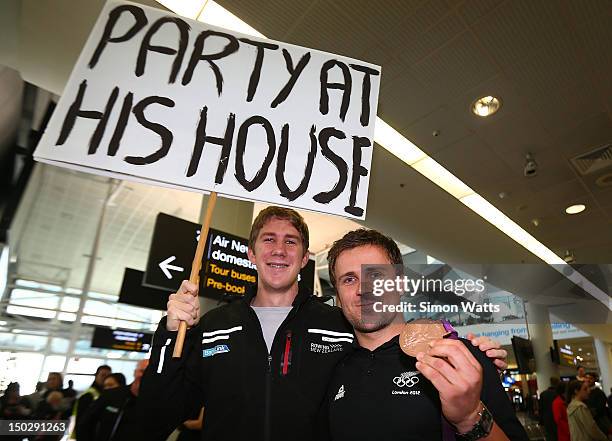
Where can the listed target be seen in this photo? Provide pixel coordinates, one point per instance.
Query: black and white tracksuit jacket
(248, 393)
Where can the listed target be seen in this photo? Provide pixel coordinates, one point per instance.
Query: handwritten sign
(171, 101)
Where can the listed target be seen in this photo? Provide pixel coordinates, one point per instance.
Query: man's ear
(305, 258)
(251, 255)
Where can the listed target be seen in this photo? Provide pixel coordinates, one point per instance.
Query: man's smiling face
(356, 269)
(279, 255)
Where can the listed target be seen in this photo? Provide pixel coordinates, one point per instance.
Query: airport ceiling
(548, 61)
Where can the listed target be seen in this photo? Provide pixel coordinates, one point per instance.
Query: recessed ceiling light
(575, 209)
(486, 106)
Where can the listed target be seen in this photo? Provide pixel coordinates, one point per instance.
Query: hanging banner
(171, 101)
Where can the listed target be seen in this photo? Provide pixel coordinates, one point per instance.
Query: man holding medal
(405, 381)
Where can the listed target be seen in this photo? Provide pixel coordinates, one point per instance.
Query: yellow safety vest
(95, 393)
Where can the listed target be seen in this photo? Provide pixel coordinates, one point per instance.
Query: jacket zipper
(287, 355)
(268, 383)
(267, 401)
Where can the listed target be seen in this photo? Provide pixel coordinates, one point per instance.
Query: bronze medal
(417, 334)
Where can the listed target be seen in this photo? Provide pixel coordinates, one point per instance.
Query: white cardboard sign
(171, 101)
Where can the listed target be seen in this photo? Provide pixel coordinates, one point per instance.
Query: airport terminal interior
(492, 157)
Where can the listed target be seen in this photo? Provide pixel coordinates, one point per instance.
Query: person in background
(35, 397)
(114, 381)
(69, 392)
(12, 405)
(70, 395)
(546, 410)
(55, 382)
(51, 409)
(610, 403)
(559, 408)
(90, 395)
(581, 423)
(118, 415)
(598, 404)
(580, 374)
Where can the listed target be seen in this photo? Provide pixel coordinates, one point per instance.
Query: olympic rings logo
(407, 379)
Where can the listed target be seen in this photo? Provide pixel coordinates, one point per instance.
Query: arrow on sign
(166, 267)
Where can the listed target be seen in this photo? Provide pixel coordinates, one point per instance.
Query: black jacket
(117, 416)
(380, 395)
(547, 418)
(247, 393)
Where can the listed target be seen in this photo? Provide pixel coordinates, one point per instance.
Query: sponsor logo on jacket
(219, 349)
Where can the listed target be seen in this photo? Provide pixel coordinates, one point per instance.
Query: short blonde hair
(288, 214)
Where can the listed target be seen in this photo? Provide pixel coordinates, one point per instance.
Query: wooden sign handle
(195, 268)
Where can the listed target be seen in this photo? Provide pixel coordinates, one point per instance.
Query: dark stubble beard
(374, 323)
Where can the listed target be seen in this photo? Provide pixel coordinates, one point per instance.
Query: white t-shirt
(270, 319)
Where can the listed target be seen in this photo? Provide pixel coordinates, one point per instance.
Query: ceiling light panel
(575, 209)
(397, 144)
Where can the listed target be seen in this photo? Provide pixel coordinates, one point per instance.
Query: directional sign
(166, 267)
(226, 269)
(121, 339)
(171, 253)
(134, 293)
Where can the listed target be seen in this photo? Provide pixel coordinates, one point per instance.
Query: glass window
(37, 285)
(7, 339)
(30, 312)
(84, 365)
(81, 382)
(59, 345)
(99, 308)
(70, 304)
(52, 363)
(99, 295)
(30, 342)
(22, 367)
(126, 367)
(66, 316)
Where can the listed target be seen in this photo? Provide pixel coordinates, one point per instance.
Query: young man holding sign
(260, 366)
(404, 381)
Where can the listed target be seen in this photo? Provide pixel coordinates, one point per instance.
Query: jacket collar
(302, 295)
(392, 343)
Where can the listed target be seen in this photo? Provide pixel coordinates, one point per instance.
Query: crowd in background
(52, 402)
(576, 410)
(107, 410)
